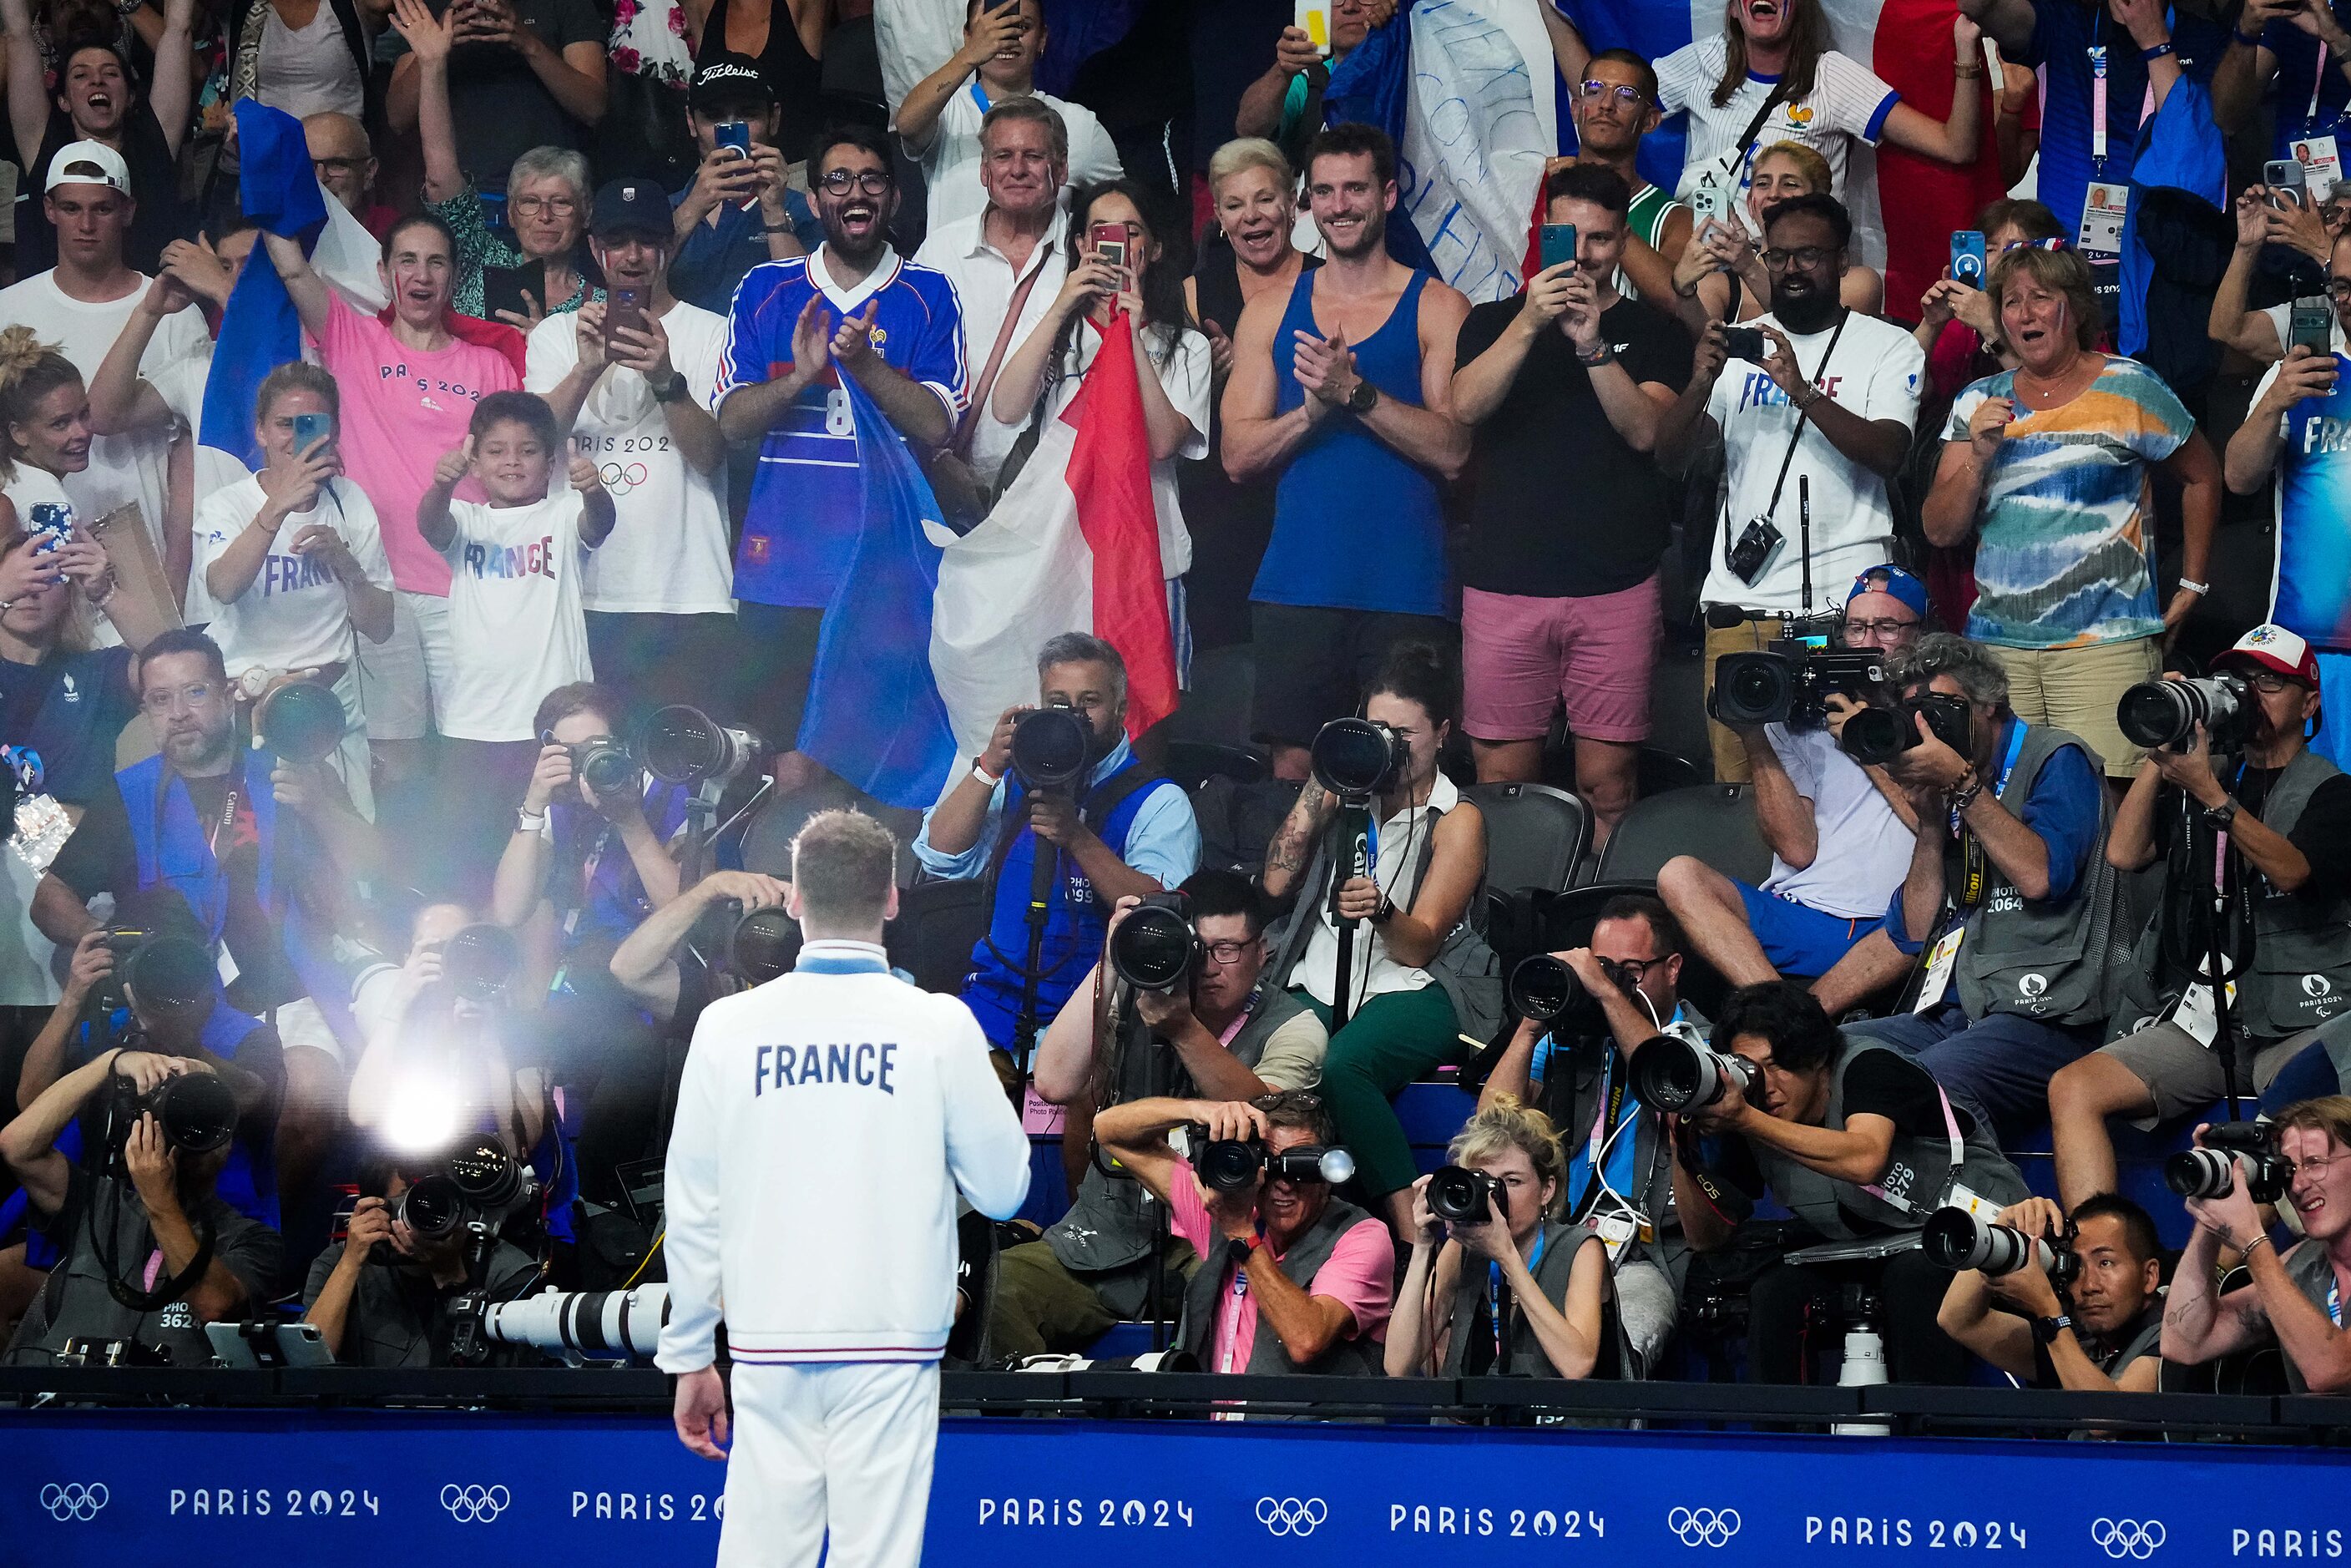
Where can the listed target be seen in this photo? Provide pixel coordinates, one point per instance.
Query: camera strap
(1976, 873)
(1804, 417)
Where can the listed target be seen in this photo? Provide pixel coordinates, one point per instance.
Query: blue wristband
(2253, 43)
(2156, 53)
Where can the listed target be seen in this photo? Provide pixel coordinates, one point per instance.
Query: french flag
(1072, 545)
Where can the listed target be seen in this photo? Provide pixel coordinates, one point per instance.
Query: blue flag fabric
(1372, 86)
(874, 716)
(2178, 150)
(1075, 32)
(261, 330)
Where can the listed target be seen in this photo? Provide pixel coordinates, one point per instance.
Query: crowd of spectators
(661, 292)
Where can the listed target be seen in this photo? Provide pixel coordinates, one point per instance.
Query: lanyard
(2098, 107)
(228, 815)
(2334, 1303)
(1496, 1292)
(1972, 893)
(1959, 1159)
(979, 98)
(2317, 81)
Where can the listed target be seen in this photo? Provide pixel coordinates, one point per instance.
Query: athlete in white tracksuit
(824, 1123)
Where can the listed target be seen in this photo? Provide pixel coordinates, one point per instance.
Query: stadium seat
(1715, 823)
(1534, 834)
(1191, 763)
(938, 924)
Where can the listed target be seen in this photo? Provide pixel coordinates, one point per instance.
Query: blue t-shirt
(2312, 594)
(69, 709)
(807, 503)
(711, 260)
(2063, 808)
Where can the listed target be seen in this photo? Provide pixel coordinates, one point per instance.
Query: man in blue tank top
(1341, 391)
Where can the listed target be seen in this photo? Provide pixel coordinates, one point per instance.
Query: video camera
(300, 720)
(1153, 947)
(1459, 1196)
(1955, 1238)
(683, 745)
(583, 1325)
(1356, 758)
(1671, 1074)
(2231, 1146)
(2155, 714)
(172, 974)
(1877, 735)
(195, 1111)
(1790, 682)
(1052, 750)
(1231, 1164)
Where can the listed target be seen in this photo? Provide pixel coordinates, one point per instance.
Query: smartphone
(51, 522)
(624, 309)
(733, 133)
(1558, 244)
(1708, 202)
(1745, 343)
(1109, 242)
(309, 429)
(1312, 18)
(2312, 321)
(2287, 180)
(1968, 256)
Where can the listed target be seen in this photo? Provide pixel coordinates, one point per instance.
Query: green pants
(1388, 1042)
(1040, 1306)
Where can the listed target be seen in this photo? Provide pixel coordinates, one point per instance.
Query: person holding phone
(1721, 256)
(739, 209)
(520, 74)
(1284, 106)
(2271, 233)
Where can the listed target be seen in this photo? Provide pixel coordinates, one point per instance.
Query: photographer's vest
(2300, 971)
(1585, 1091)
(2044, 960)
(1918, 1170)
(1351, 1356)
(1110, 1224)
(1521, 1354)
(1075, 920)
(173, 849)
(2313, 1275)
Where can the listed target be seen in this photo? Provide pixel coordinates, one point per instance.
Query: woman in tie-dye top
(2052, 464)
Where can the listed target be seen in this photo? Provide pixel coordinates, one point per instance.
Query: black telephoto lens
(488, 1175)
(432, 1207)
(1877, 735)
(1051, 748)
(170, 974)
(765, 943)
(1229, 1165)
(479, 960)
(1153, 948)
(1354, 757)
(196, 1112)
(301, 721)
(1543, 987)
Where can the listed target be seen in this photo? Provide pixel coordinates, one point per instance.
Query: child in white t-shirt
(517, 628)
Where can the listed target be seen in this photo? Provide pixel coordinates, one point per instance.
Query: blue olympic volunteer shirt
(806, 506)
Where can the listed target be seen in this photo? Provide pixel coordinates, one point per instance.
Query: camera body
(2156, 714)
(195, 1111)
(2229, 1147)
(1752, 553)
(1877, 735)
(1955, 1238)
(1790, 682)
(1052, 750)
(603, 764)
(1459, 1195)
(477, 1189)
(1671, 1074)
(1234, 1164)
(1356, 758)
(1154, 947)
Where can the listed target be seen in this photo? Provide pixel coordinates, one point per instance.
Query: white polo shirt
(984, 284)
(950, 159)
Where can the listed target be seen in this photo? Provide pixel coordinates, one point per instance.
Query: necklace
(2057, 389)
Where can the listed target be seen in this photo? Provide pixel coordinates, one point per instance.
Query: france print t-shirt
(807, 500)
(516, 630)
(2312, 594)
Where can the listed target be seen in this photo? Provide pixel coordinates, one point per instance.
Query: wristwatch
(1236, 1252)
(672, 389)
(1385, 912)
(2045, 1329)
(1364, 398)
(2224, 815)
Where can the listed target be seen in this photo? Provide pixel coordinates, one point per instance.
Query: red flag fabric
(1110, 476)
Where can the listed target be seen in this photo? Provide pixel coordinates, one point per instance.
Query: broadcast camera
(1232, 1165)
(1955, 1239)
(576, 1326)
(1670, 1075)
(2238, 1145)
(1154, 947)
(603, 764)
(195, 1111)
(1459, 1196)
(1877, 735)
(1052, 750)
(685, 745)
(2155, 714)
(300, 720)
(1790, 682)
(1356, 758)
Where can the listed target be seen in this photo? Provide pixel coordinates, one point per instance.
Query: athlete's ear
(890, 903)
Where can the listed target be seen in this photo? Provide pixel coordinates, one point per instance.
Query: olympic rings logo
(74, 1500)
(1290, 1516)
(620, 477)
(2121, 1538)
(475, 1504)
(1703, 1526)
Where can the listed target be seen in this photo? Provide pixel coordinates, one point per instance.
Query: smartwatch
(1236, 1252)
(2224, 815)
(2046, 1329)
(672, 390)
(1364, 398)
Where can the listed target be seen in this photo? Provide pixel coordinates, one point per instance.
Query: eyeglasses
(2338, 289)
(2315, 1169)
(1876, 628)
(2269, 683)
(1228, 952)
(873, 182)
(553, 206)
(1804, 258)
(1627, 972)
(1603, 89)
(163, 699)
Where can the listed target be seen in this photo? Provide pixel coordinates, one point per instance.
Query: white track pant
(846, 1445)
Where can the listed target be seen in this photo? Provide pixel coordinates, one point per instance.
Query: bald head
(343, 157)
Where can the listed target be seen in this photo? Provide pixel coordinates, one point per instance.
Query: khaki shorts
(2183, 1076)
(2076, 690)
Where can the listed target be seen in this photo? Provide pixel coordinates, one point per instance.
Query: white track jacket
(824, 1123)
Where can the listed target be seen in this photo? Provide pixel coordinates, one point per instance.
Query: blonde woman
(1721, 254)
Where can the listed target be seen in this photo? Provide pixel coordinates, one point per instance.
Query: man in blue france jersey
(854, 307)
(2299, 429)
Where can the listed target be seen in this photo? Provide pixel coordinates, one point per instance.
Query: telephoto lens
(479, 960)
(1670, 1075)
(194, 1110)
(765, 942)
(584, 1325)
(1356, 758)
(431, 1207)
(301, 721)
(603, 764)
(489, 1177)
(1877, 735)
(1154, 947)
(1543, 987)
(1051, 748)
(1955, 1239)
(1457, 1196)
(2156, 714)
(685, 745)
(2205, 1173)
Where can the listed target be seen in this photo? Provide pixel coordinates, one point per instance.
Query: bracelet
(2247, 1249)
(1960, 799)
(2156, 51)
(2253, 43)
(98, 600)
(778, 229)
(530, 822)
(1812, 394)
(980, 772)
(1594, 361)
(1967, 73)
(1690, 293)
(2197, 589)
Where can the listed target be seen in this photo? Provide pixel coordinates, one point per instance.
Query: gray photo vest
(2046, 961)
(1112, 1224)
(1571, 1097)
(1918, 1173)
(1561, 1243)
(2313, 1275)
(1347, 1357)
(2301, 972)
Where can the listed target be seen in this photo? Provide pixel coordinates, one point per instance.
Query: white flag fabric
(1474, 145)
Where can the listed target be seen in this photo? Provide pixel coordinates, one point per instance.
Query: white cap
(112, 170)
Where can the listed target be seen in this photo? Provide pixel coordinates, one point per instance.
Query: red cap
(2275, 648)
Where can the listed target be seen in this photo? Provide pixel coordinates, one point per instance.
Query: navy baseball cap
(1891, 578)
(730, 81)
(629, 207)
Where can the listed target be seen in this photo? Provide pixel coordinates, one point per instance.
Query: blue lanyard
(1494, 1291)
(979, 98)
(2334, 1302)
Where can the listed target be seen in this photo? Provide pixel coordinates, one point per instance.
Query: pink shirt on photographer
(1360, 1275)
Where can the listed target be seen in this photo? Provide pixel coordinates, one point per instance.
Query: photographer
(208, 1262)
(1222, 1036)
(1857, 1141)
(1283, 1255)
(1452, 1317)
(1126, 832)
(2295, 1297)
(2285, 812)
(2006, 881)
(1837, 833)
(2099, 1336)
(383, 1299)
(1618, 1176)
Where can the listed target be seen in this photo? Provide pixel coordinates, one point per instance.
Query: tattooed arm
(1293, 841)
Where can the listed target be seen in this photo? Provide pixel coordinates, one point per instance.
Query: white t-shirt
(1864, 850)
(1848, 103)
(122, 467)
(516, 630)
(667, 553)
(950, 159)
(1187, 379)
(984, 284)
(2281, 320)
(1875, 373)
(294, 615)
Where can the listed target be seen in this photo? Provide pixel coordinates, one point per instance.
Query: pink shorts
(1521, 658)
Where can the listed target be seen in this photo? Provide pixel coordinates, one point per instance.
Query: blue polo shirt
(806, 502)
(711, 260)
